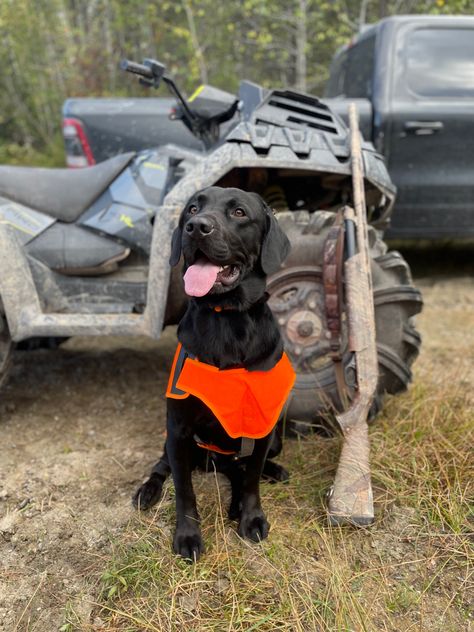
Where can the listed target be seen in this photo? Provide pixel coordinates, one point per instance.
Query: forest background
(54, 49)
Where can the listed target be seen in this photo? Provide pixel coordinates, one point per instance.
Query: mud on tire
(297, 299)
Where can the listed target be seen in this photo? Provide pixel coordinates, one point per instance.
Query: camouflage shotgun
(351, 497)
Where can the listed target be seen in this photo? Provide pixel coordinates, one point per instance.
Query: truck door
(430, 152)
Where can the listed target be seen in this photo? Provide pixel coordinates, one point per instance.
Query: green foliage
(45, 155)
(53, 49)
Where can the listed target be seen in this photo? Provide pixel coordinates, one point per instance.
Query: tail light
(78, 150)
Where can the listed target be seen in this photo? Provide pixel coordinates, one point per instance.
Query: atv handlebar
(136, 69)
(151, 72)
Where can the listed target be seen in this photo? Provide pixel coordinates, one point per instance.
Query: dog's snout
(199, 225)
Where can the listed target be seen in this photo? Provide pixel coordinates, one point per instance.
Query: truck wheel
(6, 348)
(298, 302)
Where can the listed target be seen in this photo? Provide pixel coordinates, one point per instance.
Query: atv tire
(297, 300)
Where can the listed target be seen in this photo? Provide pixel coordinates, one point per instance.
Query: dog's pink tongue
(200, 277)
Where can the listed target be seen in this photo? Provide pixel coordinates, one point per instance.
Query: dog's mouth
(204, 276)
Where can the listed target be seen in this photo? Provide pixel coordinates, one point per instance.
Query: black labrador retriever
(230, 241)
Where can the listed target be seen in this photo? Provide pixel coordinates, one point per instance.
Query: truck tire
(297, 300)
(6, 348)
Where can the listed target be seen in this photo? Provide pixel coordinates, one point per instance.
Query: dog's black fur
(228, 226)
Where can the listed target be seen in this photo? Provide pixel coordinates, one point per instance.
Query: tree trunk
(301, 45)
(363, 13)
(195, 41)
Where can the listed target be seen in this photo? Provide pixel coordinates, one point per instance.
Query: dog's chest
(221, 339)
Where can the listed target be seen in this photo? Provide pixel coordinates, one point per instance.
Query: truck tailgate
(115, 126)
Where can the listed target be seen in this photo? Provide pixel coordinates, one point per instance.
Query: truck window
(440, 62)
(360, 69)
(335, 87)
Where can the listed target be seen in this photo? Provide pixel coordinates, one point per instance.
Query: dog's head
(226, 236)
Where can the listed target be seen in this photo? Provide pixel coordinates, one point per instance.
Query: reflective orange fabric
(246, 403)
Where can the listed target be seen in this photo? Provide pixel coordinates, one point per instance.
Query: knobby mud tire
(297, 299)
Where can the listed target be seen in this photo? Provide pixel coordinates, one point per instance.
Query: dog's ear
(276, 245)
(175, 255)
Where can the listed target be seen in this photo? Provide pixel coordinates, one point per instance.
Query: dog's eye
(192, 210)
(238, 212)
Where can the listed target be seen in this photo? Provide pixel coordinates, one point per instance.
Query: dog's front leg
(187, 540)
(253, 523)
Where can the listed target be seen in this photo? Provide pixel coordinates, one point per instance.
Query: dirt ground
(81, 426)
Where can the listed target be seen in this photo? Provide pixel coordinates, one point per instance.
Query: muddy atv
(85, 252)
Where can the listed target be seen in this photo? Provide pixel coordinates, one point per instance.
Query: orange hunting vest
(246, 403)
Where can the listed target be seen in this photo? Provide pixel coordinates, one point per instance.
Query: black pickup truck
(412, 78)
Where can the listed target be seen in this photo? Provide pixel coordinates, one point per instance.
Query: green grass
(411, 571)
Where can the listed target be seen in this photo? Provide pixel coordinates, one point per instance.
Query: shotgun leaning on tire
(330, 309)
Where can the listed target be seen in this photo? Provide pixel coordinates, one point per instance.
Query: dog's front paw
(148, 494)
(188, 542)
(254, 525)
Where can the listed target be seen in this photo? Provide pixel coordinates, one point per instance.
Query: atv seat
(61, 193)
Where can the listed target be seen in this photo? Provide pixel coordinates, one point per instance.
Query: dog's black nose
(203, 225)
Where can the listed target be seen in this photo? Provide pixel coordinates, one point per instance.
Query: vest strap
(246, 447)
